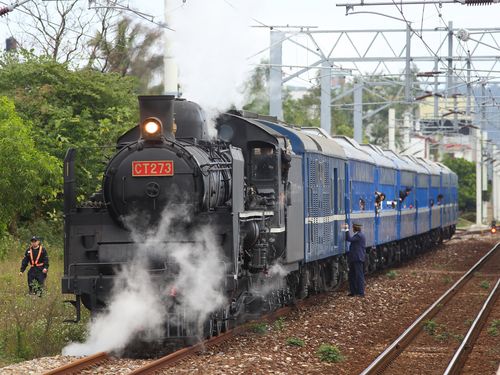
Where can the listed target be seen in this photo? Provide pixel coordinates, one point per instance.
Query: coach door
(335, 197)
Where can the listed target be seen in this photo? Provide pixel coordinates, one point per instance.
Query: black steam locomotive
(274, 196)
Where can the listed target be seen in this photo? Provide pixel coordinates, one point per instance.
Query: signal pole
(170, 73)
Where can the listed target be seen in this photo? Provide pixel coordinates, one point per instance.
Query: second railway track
(429, 344)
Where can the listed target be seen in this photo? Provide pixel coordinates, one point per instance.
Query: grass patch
(464, 222)
(329, 353)
(468, 322)
(279, 324)
(31, 326)
(439, 332)
(447, 279)
(430, 327)
(259, 328)
(494, 328)
(294, 341)
(392, 274)
(485, 284)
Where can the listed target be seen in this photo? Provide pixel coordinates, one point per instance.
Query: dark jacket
(357, 250)
(43, 260)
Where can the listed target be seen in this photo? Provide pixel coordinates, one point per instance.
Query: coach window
(263, 163)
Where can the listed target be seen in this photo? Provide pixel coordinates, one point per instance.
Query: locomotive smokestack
(161, 107)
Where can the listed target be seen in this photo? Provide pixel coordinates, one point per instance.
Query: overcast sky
(325, 13)
(218, 42)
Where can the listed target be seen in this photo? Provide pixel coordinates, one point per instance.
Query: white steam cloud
(211, 45)
(138, 306)
(275, 279)
(133, 308)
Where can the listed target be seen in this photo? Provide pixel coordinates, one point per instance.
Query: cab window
(263, 161)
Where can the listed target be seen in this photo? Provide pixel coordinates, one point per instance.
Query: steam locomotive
(273, 195)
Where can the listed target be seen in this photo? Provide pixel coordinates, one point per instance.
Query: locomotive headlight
(151, 128)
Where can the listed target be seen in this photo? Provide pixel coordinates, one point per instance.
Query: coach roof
(353, 150)
(378, 155)
(303, 142)
(400, 163)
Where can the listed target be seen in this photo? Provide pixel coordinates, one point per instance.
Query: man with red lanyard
(36, 256)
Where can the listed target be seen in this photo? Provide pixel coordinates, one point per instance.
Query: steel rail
(458, 360)
(388, 355)
(80, 364)
(178, 355)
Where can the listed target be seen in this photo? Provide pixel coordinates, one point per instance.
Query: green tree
(29, 175)
(256, 90)
(345, 130)
(466, 172)
(84, 109)
(129, 50)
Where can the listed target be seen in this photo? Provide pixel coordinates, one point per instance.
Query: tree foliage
(466, 172)
(129, 49)
(84, 109)
(29, 175)
(256, 91)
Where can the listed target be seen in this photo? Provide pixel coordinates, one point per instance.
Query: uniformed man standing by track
(37, 257)
(356, 260)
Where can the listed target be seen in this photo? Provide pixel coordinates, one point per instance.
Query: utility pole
(479, 196)
(494, 182)
(484, 175)
(358, 112)
(326, 97)
(275, 75)
(479, 157)
(408, 80)
(170, 73)
(392, 129)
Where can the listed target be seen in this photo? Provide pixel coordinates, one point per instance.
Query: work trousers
(36, 279)
(357, 278)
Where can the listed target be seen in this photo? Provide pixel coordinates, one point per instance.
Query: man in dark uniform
(356, 260)
(36, 256)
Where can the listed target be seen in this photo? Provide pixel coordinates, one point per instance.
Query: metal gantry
(451, 62)
(343, 52)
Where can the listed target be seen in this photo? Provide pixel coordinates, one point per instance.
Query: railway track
(172, 358)
(80, 364)
(388, 358)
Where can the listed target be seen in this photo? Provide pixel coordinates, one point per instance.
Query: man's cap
(35, 238)
(357, 225)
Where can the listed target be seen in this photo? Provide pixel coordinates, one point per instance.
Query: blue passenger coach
(360, 189)
(400, 200)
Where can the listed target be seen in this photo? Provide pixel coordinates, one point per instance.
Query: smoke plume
(139, 305)
(211, 44)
